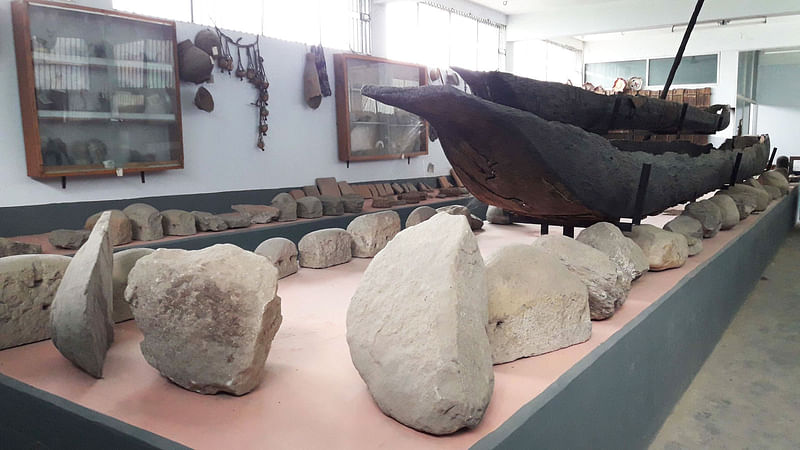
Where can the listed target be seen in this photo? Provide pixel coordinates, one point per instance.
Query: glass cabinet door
(376, 130)
(105, 91)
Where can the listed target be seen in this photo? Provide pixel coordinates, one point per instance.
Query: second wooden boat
(594, 112)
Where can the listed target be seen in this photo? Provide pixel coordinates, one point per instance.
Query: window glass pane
(463, 42)
(401, 31)
(488, 44)
(563, 65)
(604, 74)
(434, 25)
(238, 15)
(173, 9)
(700, 69)
(530, 59)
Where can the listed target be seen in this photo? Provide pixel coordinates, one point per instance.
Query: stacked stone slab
(608, 285)
(119, 229)
(178, 223)
(707, 213)
(69, 239)
(419, 215)
(775, 178)
(536, 305)
(287, 206)
(371, 232)
(497, 216)
(746, 204)
(728, 210)
(28, 284)
(309, 207)
(621, 250)
(691, 229)
(208, 316)
(417, 332)
(205, 221)
(146, 222)
(475, 223)
(11, 248)
(282, 253)
(664, 249)
(258, 213)
(80, 320)
(235, 219)
(123, 264)
(325, 248)
(331, 206)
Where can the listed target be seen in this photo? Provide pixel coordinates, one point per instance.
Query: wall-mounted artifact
(97, 83)
(539, 167)
(370, 130)
(322, 70)
(195, 65)
(311, 88)
(203, 99)
(253, 72)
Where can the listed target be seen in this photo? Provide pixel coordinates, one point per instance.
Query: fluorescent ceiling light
(777, 52)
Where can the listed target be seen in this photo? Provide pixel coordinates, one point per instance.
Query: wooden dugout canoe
(561, 174)
(593, 112)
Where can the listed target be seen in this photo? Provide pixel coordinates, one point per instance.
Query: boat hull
(556, 172)
(596, 113)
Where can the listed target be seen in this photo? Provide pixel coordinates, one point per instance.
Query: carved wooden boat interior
(594, 112)
(560, 173)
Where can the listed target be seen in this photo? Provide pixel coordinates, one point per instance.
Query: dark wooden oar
(682, 47)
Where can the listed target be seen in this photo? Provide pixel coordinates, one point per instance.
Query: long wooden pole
(682, 47)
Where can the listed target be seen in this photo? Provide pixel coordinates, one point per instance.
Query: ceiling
(512, 7)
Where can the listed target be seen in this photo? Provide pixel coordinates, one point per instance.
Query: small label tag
(119, 172)
(214, 51)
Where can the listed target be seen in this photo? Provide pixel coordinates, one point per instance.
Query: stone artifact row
(423, 337)
(143, 222)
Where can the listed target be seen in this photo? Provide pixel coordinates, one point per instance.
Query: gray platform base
(619, 395)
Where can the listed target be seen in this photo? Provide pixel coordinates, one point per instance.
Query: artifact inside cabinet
(98, 90)
(368, 129)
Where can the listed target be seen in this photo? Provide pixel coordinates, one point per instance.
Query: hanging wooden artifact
(203, 99)
(561, 174)
(592, 112)
(251, 69)
(311, 88)
(322, 70)
(194, 65)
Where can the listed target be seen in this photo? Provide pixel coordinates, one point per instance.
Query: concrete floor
(747, 394)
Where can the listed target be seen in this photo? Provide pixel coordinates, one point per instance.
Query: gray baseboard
(618, 396)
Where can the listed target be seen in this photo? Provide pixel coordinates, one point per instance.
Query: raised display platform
(612, 391)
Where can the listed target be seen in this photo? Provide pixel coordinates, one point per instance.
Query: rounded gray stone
(325, 248)
(287, 206)
(309, 208)
(178, 223)
(708, 214)
(282, 253)
(146, 222)
(419, 215)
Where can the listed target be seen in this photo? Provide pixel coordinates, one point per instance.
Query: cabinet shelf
(104, 116)
(46, 58)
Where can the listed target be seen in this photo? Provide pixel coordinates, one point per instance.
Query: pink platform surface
(312, 396)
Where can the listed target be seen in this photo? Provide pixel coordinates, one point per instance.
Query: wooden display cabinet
(99, 90)
(369, 130)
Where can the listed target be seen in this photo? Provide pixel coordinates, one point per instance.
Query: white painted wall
(778, 97)
(219, 148)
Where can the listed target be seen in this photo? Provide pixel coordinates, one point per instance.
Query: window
(340, 24)
(431, 35)
(700, 69)
(604, 74)
(548, 61)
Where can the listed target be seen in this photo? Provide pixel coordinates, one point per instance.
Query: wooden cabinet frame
(343, 122)
(29, 107)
